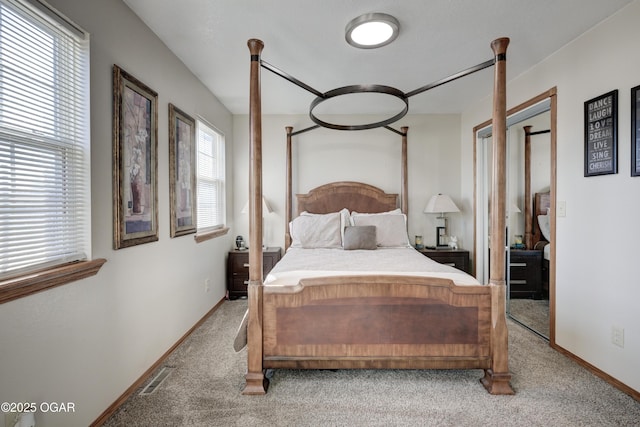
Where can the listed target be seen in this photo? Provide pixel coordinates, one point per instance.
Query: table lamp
(441, 204)
(266, 209)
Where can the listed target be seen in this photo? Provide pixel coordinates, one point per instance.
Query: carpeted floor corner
(207, 376)
(533, 313)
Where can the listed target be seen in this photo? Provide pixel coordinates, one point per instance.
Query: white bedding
(299, 263)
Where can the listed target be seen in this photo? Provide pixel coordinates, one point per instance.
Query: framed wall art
(135, 161)
(601, 135)
(635, 131)
(182, 172)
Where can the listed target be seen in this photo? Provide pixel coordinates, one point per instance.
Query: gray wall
(371, 156)
(88, 341)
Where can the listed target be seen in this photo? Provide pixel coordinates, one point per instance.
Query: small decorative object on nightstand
(518, 242)
(240, 244)
(453, 242)
(457, 258)
(238, 269)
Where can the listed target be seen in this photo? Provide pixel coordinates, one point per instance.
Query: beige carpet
(533, 313)
(204, 387)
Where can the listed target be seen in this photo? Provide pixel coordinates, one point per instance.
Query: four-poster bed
(380, 320)
(532, 233)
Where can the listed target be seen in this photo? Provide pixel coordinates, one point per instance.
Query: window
(210, 178)
(45, 210)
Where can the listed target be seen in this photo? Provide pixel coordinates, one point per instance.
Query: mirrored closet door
(529, 191)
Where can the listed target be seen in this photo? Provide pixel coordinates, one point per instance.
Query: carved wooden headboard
(541, 202)
(355, 196)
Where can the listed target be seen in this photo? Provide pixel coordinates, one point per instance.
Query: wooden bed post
(405, 178)
(255, 380)
(496, 379)
(528, 217)
(288, 209)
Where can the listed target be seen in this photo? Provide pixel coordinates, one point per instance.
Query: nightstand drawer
(238, 269)
(239, 285)
(520, 270)
(240, 264)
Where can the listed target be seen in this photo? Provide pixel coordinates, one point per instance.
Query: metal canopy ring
(347, 90)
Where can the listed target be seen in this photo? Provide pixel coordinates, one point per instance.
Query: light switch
(562, 208)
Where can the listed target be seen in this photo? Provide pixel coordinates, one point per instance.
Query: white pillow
(345, 220)
(395, 211)
(545, 226)
(316, 230)
(391, 228)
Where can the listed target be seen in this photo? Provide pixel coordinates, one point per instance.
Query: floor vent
(155, 382)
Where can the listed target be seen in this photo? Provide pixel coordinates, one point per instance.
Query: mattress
(299, 263)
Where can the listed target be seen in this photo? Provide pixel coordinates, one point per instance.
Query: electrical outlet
(617, 336)
(207, 282)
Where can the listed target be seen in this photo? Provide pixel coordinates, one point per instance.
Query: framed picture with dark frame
(635, 131)
(601, 135)
(182, 172)
(135, 161)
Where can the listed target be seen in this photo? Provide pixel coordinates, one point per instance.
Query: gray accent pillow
(360, 237)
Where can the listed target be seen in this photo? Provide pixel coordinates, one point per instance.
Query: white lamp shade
(266, 207)
(440, 203)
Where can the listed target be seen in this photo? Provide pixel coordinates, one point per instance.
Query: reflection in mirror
(529, 177)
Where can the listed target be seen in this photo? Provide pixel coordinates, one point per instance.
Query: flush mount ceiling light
(372, 30)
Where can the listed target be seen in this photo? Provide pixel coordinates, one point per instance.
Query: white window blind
(211, 178)
(44, 140)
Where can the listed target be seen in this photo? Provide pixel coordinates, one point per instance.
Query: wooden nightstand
(457, 258)
(526, 274)
(238, 269)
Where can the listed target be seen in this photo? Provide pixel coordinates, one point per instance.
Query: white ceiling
(305, 38)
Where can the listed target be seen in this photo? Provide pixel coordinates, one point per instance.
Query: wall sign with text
(601, 135)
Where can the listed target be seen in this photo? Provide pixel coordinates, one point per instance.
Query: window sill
(29, 284)
(208, 235)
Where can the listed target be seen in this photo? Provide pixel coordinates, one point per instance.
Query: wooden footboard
(391, 322)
